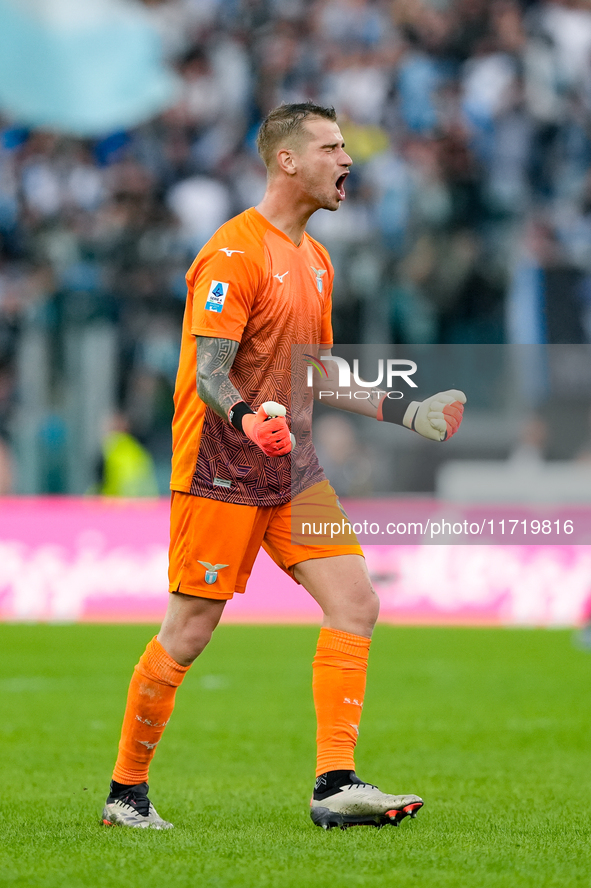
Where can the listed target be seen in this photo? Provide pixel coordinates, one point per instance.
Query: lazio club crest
(319, 272)
(211, 572)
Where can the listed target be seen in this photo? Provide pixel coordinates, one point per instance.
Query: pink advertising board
(93, 559)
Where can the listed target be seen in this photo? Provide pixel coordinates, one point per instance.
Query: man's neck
(285, 214)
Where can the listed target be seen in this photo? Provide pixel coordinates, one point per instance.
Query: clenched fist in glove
(267, 427)
(438, 417)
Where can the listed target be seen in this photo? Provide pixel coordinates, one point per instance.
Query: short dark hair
(287, 122)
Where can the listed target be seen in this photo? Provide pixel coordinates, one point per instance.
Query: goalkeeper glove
(267, 428)
(438, 417)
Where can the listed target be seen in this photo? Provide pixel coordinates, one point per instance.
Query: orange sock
(339, 671)
(150, 702)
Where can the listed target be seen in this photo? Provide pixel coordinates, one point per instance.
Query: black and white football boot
(341, 799)
(130, 806)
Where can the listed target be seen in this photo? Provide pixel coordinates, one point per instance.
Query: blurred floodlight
(81, 68)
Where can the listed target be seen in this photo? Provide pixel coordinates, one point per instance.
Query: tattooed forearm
(375, 398)
(214, 360)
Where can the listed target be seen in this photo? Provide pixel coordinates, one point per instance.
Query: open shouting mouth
(340, 186)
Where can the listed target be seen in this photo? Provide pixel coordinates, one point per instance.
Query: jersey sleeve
(224, 288)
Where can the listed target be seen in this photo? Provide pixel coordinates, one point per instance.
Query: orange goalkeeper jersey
(252, 284)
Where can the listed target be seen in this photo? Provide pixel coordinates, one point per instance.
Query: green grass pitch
(492, 727)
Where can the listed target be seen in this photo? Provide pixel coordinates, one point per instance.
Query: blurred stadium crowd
(468, 215)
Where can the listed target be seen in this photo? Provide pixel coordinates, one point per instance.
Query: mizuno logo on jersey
(229, 252)
(281, 276)
(216, 296)
(211, 572)
(319, 272)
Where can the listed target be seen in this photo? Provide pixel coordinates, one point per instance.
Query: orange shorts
(213, 545)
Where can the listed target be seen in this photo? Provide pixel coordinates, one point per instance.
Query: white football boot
(133, 808)
(356, 803)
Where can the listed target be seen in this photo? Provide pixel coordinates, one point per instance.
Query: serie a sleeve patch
(216, 296)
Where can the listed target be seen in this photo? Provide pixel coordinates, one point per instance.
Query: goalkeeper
(259, 286)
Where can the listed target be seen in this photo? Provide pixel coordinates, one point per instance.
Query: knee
(192, 641)
(373, 607)
(184, 648)
(369, 611)
(357, 616)
(185, 641)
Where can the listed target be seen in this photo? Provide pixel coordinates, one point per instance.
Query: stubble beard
(327, 204)
(323, 200)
